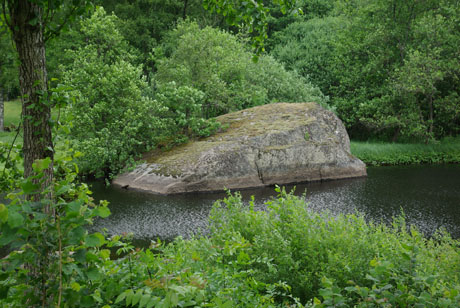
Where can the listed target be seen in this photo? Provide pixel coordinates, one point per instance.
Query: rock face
(265, 145)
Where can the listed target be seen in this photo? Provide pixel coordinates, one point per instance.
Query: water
(429, 196)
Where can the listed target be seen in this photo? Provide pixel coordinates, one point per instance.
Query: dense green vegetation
(126, 77)
(389, 70)
(390, 67)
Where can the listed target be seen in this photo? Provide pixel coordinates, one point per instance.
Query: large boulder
(265, 145)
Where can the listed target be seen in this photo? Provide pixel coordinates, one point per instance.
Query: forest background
(131, 76)
(150, 74)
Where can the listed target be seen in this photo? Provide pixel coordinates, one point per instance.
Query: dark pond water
(429, 196)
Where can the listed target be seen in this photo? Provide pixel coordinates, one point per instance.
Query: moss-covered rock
(271, 144)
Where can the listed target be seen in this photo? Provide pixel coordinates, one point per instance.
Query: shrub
(249, 259)
(343, 260)
(112, 120)
(184, 111)
(217, 63)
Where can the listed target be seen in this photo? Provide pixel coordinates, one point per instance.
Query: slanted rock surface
(271, 144)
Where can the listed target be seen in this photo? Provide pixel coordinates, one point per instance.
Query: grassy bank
(12, 120)
(382, 154)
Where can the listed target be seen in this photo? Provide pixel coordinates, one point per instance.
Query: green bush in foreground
(286, 256)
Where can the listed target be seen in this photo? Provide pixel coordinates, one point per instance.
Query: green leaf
(152, 302)
(15, 219)
(7, 235)
(3, 213)
(28, 187)
(144, 300)
(80, 255)
(63, 190)
(87, 301)
(41, 164)
(136, 298)
(102, 212)
(94, 240)
(120, 297)
(93, 274)
(75, 286)
(76, 235)
(129, 297)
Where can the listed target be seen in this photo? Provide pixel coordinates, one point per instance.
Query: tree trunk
(184, 12)
(2, 113)
(430, 106)
(396, 134)
(28, 32)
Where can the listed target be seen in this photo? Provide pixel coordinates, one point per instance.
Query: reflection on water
(429, 196)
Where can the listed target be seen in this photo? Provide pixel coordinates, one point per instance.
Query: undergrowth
(286, 256)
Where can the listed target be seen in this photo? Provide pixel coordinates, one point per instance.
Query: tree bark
(430, 106)
(28, 35)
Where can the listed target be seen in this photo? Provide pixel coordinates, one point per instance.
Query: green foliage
(10, 166)
(9, 82)
(249, 259)
(52, 258)
(380, 154)
(112, 120)
(216, 63)
(289, 243)
(308, 47)
(184, 110)
(252, 15)
(390, 68)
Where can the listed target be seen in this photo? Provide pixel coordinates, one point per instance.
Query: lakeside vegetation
(286, 256)
(132, 76)
(383, 154)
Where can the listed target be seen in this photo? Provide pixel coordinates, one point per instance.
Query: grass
(381, 154)
(12, 120)
(12, 112)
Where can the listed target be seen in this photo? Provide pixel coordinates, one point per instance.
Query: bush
(217, 63)
(249, 259)
(343, 260)
(184, 111)
(112, 120)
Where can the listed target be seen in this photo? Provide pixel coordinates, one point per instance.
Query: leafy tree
(143, 23)
(111, 118)
(426, 67)
(306, 10)
(251, 15)
(31, 24)
(218, 64)
(309, 48)
(383, 64)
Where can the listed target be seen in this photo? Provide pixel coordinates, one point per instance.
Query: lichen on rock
(278, 143)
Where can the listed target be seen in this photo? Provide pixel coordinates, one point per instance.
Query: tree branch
(4, 14)
(52, 33)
